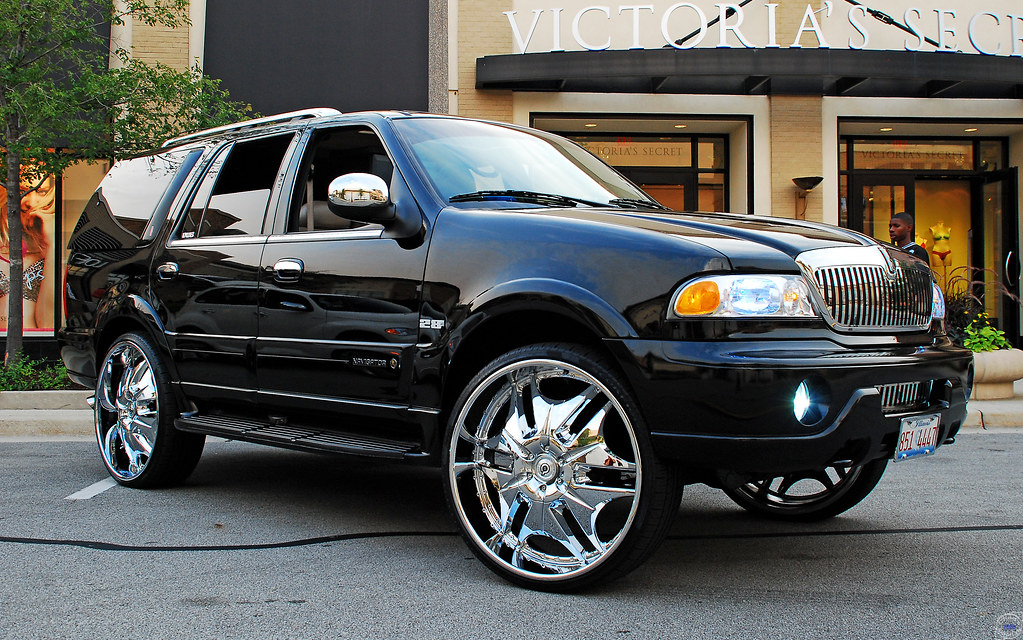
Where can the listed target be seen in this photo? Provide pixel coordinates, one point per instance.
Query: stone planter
(994, 373)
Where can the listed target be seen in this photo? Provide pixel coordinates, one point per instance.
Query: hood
(749, 242)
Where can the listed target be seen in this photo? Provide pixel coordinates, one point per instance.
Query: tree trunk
(16, 279)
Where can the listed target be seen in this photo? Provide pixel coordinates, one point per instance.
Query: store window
(49, 212)
(38, 220)
(962, 200)
(684, 172)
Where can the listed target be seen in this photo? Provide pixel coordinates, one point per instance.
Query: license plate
(918, 436)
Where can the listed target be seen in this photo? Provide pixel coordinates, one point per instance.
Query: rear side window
(133, 200)
(234, 194)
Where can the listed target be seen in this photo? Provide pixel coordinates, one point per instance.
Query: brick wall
(796, 132)
(482, 30)
(161, 44)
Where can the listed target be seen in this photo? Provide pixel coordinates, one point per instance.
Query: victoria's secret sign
(725, 25)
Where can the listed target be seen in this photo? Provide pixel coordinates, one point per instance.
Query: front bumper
(728, 405)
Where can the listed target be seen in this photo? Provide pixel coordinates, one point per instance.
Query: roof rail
(280, 117)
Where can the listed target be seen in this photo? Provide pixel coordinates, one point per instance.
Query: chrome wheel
(548, 474)
(127, 411)
(134, 413)
(810, 495)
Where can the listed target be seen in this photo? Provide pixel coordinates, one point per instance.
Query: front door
(339, 302)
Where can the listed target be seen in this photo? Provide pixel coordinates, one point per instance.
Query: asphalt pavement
(266, 543)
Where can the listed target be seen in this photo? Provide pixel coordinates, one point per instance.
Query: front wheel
(134, 415)
(809, 496)
(550, 471)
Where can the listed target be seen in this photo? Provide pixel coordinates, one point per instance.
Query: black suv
(496, 300)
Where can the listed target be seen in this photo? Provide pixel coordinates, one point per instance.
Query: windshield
(467, 160)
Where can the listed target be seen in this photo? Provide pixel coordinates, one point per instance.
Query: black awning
(827, 72)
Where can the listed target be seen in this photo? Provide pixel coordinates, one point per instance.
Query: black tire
(550, 472)
(810, 496)
(134, 418)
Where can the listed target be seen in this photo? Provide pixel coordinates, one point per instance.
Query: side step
(301, 438)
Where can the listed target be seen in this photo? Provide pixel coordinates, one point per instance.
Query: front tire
(134, 418)
(810, 496)
(550, 471)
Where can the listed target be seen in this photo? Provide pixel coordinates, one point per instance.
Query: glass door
(875, 198)
(998, 243)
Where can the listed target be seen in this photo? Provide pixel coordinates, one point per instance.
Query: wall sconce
(804, 186)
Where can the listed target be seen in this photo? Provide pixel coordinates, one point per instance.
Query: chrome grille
(867, 288)
(904, 395)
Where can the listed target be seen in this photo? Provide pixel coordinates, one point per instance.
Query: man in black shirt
(900, 228)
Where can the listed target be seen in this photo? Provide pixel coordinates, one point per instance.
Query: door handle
(167, 271)
(288, 270)
(1008, 278)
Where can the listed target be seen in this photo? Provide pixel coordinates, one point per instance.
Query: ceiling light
(590, 125)
(886, 129)
(970, 130)
(681, 126)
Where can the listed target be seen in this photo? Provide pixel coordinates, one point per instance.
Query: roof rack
(280, 117)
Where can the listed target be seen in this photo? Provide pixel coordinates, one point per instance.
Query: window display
(38, 215)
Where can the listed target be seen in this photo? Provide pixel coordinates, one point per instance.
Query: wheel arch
(135, 314)
(526, 312)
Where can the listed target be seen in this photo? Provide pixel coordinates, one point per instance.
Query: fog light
(809, 403)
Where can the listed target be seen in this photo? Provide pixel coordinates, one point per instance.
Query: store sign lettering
(591, 27)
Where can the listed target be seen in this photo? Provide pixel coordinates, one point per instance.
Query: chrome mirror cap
(358, 190)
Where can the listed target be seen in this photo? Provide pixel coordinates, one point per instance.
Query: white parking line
(93, 489)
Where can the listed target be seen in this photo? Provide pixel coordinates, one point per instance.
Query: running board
(300, 438)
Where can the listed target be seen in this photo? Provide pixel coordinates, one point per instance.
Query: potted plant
(996, 363)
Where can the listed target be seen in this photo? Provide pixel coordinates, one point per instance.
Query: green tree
(62, 102)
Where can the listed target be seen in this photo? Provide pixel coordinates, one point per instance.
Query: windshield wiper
(552, 199)
(637, 203)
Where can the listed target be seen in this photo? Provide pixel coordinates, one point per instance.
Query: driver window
(331, 153)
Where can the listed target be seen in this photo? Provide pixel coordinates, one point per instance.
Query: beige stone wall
(481, 33)
(796, 138)
(161, 44)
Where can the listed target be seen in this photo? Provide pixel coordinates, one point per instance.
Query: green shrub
(26, 374)
(981, 336)
(967, 323)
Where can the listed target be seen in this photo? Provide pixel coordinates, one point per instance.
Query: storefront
(883, 107)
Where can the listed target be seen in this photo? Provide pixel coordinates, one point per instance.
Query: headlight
(937, 303)
(938, 308)
(744, 296)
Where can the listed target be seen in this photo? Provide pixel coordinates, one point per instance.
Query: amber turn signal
(698, 299)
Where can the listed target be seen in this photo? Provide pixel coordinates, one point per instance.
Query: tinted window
(133, 199)
(235, 192)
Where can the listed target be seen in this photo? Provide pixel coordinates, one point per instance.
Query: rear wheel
(550, 471)
(810, 495)
(134, 414)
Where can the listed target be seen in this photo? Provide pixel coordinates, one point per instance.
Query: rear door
(205, 277)
(338, 301)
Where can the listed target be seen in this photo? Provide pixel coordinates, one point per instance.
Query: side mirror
(360, 196)
(364, 197)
